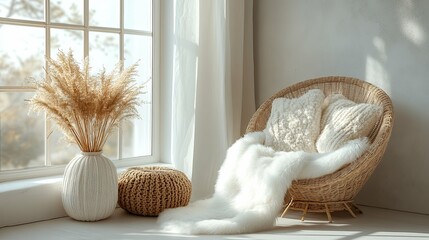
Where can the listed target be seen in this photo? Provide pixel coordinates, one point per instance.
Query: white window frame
(48, 169)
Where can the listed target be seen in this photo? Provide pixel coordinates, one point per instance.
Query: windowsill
(35, 199)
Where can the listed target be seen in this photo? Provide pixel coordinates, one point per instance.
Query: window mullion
(48, 55)
(121, 58)
(86, 27)
(121, 32)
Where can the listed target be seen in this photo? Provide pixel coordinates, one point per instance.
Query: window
(105, 30)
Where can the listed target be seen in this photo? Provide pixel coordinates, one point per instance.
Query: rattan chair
(336, 191)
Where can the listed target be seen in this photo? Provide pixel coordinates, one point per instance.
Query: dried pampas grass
(86, 108)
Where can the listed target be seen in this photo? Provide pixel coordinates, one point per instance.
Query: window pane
(137, 140)
(139, 48)
(61, 151)
(21, 54)
(28, 10)
(137, 133)
(65, 40)
(110, 149)
(138, 14)
(21, 134)
(103, 51)
(67, 11)
(104, 13)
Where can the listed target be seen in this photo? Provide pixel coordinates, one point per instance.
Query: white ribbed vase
(90, 187)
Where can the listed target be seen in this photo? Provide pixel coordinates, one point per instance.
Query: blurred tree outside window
(28, 33)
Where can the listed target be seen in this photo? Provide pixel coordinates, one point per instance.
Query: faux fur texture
(251, 187)
(294, 124)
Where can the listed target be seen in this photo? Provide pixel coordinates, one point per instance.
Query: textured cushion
(148, 191)
(344, 120)
(294, 124)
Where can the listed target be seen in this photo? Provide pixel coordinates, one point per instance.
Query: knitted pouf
(148, 191)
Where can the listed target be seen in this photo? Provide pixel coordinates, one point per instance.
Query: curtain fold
(212, 85)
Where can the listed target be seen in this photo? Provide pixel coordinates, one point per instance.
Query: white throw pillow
(344, 120)
(294, 124)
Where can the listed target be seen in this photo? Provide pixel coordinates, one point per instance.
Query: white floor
(374, 223)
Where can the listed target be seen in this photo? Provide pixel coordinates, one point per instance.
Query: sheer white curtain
(212, 93)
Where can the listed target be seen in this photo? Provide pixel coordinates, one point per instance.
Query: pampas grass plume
(86, 108)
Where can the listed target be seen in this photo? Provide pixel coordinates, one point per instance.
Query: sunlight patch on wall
(413, 31)
(410, 26)
(377, 75)
(380, 46)
(375, 71)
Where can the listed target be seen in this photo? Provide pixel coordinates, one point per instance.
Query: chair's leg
(328, 213)
(305, 212)
(349, 210)
(287, 208)
(356, 208)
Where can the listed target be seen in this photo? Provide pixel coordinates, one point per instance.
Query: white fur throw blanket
(251, 186)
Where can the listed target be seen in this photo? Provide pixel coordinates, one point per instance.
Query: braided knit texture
(343, 120)
(147, 191)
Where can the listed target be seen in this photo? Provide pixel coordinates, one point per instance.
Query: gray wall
(384, 42)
